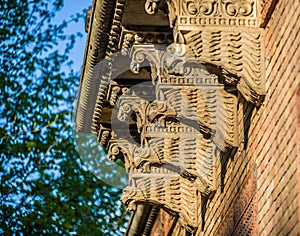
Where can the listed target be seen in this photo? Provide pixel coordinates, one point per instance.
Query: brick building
(243, 177)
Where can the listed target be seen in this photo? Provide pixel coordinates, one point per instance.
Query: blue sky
(72, 7)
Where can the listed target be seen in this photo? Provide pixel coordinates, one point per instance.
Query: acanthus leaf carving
(146, 55)
(119, 148)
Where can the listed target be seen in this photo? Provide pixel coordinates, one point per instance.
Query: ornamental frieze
(188, 14)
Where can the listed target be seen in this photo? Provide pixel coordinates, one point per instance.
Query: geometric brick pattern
(247, 225)
(276, 126)
(241, 217)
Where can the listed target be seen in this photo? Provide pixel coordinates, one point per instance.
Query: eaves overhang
(101, 17)
(103, 24)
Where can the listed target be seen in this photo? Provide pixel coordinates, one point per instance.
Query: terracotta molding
(95, 51)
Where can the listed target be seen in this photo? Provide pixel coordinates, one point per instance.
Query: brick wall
(233, 210)
(276, 125)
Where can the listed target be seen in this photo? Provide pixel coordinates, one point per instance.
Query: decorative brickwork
(275, 125)
(248, 223)
(241, 217)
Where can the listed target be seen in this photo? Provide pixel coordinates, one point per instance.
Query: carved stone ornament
(225, 34)
(171, 131)
(216, 53)
(182, 124)
(235, 51)
(190, 13)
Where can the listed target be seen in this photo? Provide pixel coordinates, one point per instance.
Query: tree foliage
(45, 188)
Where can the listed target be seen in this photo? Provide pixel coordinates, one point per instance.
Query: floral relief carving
(200, 7)
(212, 13)
(237, 7)
(230, 8)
